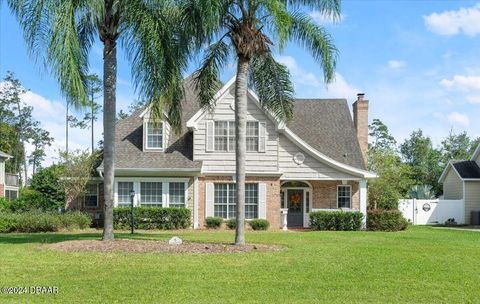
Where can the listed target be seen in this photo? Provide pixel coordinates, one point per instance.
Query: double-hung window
(176, 195)
(123, 193)
(225, 201)
(224, 136)
(91, 196)
(344, 196)
(154, 135)
(151, 194)
(252, 136)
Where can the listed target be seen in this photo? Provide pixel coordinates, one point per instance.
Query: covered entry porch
(300, 197)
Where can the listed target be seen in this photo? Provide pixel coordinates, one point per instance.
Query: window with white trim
(225, 200)
(344, 196)
(224, 136)
(123, 193)
(151, 194)
(154, 135)
(252, 136)
(91, 196)
(11, 194)
(176, 195)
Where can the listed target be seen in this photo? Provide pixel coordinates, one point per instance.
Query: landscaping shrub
(47, 182)
(231, 223)
(336, 220)
(37, 221)
(29, 200)
(259, 224)
(386, 220)
(152, 218)
(213, 222)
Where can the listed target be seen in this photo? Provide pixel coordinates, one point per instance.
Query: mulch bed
(146, 246)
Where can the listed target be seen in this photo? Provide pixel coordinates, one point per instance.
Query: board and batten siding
(452, 186)
(309, 169)
(472, 199)
(266, 161)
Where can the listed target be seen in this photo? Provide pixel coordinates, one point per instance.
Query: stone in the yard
(175, 241)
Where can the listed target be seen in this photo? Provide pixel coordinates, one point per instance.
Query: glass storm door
(295, 200)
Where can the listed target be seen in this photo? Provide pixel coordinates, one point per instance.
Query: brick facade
(325, 194)
(273, 196)
(2, 190)
(360, 119)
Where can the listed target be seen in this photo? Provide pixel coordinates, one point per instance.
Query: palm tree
(62, 32)
(250, 29)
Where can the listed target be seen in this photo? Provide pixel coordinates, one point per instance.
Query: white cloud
(323, 19)
(449, 23)
(473, 99)
(300, 76)
(457, 118)
(341, 89)
(462, 83)
(396, 64)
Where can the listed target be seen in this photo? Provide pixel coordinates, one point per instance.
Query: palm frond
(330, 8)
(207, 77)
(157, 59)
(317, 41)
(271, 80)
(279, 20)
(60, 34)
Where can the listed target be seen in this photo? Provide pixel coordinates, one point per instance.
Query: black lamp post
(132, 197)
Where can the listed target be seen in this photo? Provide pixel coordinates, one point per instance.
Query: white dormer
(155, 133)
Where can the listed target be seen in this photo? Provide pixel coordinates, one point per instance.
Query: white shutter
(209, 140)
(209, 196)
(262, 200)
(262, 136)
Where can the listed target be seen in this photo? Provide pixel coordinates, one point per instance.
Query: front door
(295, 207)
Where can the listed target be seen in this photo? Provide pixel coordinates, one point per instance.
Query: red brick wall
(2, 188)
(325, 194)
(273, 196)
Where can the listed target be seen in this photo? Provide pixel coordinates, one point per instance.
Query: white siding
(452, 186)
(472, 199)
(310, 168)
(225, 161)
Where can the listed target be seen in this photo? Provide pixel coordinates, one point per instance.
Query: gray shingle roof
(179, 153)
(327, 126)
(467, 169)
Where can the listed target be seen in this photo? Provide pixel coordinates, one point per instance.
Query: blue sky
(417, 62)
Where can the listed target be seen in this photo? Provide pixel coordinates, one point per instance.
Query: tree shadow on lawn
(56, 237)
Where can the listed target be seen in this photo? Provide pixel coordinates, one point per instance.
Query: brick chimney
(360, 119)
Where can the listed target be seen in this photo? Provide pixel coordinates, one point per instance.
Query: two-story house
(316, 161)
(9, 183)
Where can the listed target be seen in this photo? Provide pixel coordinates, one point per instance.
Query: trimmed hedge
(152, 218)
(336, 220)
(386, 220)
(231, 223)
(37, 221)
(213, 222)
(259, 224)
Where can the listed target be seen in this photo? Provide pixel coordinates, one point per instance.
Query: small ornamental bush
(259, 224)
(152, 218)
(231, 223)
(37, 221)
(213, 222)
(336, 220)
(386, 220)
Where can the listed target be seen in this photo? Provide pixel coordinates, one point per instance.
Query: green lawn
(421, 265)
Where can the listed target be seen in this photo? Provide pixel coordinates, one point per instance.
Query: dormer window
(154, 135)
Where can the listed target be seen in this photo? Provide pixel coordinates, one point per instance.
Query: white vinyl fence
(434, 211)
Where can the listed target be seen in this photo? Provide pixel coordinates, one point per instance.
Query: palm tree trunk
(66, 132)
(241, 144)
(93, 134)
(109, 102)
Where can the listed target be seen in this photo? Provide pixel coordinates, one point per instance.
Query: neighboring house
(317, 161)
(8, 182)
(461, 181)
